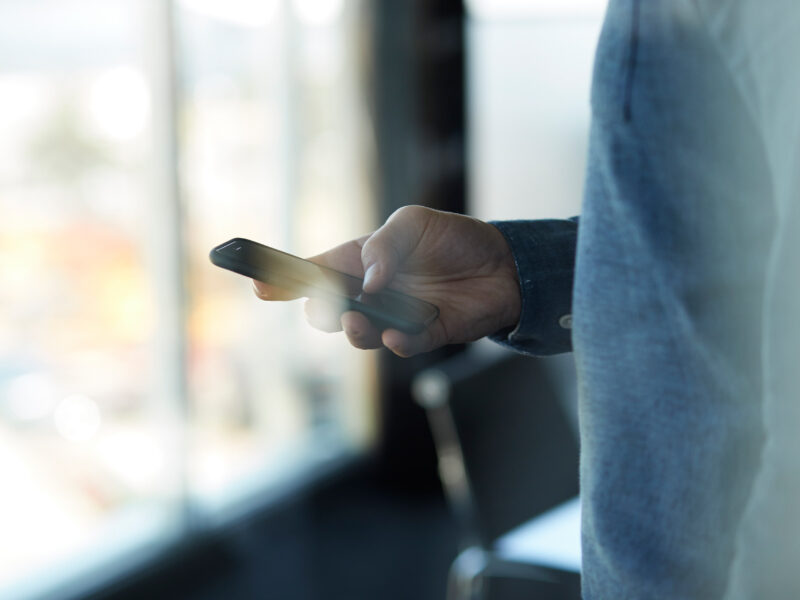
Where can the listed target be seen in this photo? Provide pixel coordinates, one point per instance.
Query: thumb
(387, 249)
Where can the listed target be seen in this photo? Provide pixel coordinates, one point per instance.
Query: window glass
(529, 77)
(82, 448)
(109, 436)
(504, 9)
(273, 151)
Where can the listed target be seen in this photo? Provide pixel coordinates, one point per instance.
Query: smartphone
(388, 309)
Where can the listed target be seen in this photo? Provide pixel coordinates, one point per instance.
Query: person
(677, 289)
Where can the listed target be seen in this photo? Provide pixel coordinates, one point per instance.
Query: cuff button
(565, 322)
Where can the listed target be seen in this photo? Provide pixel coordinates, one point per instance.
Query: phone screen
(388, 308)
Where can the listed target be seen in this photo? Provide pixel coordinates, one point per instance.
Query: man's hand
(462, 265)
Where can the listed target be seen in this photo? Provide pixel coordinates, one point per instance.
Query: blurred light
(77, 418)
(494, 9)
(31, 397)
(325, 156)
(24, 100)
(319, 13)
(323, 59)
(244, 13)
(135, 458)
(119, 104)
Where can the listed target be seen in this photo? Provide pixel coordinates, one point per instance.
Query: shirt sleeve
(544, 253)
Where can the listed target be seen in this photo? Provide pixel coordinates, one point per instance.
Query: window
(499, 9)
(138, 383)
(530, 69)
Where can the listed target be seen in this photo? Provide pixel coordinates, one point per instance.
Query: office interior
(166, 434)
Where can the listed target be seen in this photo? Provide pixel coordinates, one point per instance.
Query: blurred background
(162, 432)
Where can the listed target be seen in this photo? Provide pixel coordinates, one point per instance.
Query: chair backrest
(507, 449)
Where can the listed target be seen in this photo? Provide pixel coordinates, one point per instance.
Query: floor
(359, 538)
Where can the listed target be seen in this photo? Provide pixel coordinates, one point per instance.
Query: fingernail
(369, 275)
(258, 291)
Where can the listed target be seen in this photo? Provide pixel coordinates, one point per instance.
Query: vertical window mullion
(167, 259)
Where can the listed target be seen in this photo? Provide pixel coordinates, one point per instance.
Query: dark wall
(419, 115)
(419, 103)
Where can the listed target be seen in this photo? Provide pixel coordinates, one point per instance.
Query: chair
(505, 431)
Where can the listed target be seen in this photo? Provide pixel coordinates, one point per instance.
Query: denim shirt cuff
(544, 253)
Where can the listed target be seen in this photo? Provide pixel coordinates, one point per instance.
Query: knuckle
(411, 212)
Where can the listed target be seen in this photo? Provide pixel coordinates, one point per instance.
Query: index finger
(272, 293)
(345, 257)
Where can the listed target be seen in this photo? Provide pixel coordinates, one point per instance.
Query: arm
(462, 265)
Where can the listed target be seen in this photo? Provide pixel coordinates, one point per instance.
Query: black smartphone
(388, 309)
